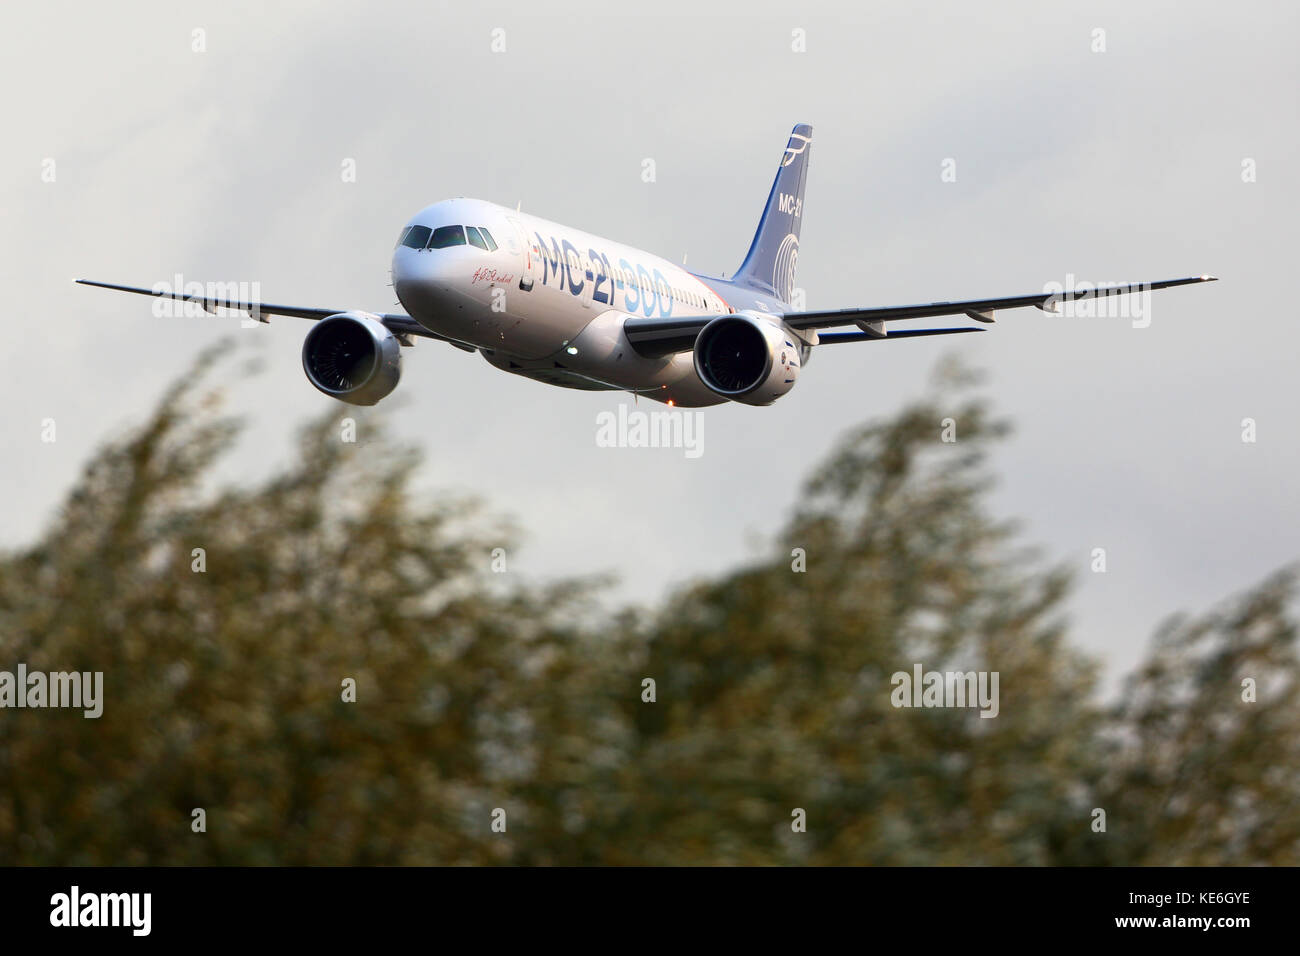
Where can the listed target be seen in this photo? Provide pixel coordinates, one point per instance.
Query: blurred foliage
(475, 692)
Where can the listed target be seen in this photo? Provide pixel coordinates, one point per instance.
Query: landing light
(572, 350)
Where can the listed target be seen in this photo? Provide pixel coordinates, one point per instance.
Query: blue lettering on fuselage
(550, 260)
(631, 298)
(573, 267)
(564, 269)
(599, 279)
(647, 302)
(665, 294)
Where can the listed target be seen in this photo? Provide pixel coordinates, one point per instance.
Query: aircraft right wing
(397, 323)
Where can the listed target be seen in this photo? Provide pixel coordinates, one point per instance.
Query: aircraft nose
(405, 264)
(420, 277)
(417, 265)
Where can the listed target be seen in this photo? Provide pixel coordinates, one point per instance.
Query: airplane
(564, 307)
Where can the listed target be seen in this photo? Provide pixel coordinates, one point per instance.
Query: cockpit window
(417, 237)
(487, 237)
(403, 235)
(474, 238)
(445, 236)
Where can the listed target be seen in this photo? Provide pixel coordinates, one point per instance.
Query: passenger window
(487, 237)
(445, 236)
(474, 238)
(417, 237)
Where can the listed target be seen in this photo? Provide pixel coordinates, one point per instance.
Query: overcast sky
(225, 164)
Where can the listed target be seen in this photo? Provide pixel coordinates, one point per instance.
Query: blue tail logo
(774, 253)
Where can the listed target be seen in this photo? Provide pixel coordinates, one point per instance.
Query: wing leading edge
(397, 323)
(830, 338)
(663, 336)
(979, 309)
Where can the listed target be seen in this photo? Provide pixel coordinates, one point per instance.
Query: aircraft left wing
(981, 310)
(664, 336)
(397, 323)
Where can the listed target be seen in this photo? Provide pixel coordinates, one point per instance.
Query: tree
(338, 677)
(775, 686)
(1207, 738)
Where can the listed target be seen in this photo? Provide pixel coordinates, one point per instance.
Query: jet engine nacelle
(352, 357)
(748, 357)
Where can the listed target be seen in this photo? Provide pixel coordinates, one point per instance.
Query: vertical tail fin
(773, 254)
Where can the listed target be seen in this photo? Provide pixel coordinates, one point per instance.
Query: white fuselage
(550, 301)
